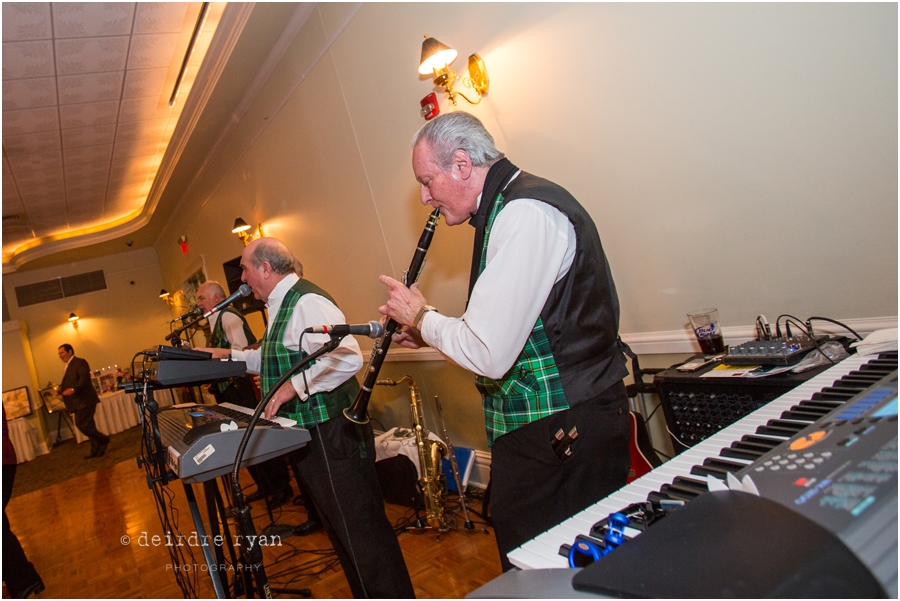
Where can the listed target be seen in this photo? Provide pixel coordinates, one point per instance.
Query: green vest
(277, 359)
(532, 388)
(217, 338)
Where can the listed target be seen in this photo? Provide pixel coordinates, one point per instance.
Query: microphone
(191, 313)
(372, 329)
(244, 290)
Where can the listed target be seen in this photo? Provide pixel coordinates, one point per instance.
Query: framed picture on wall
(52, 400)
(17, 402)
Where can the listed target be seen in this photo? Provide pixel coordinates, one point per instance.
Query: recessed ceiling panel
(30, 120)
(90, 55)
(86, 19)
(35, 162)
(89, 154)
(88, 136)
(90, 87)
(28, 93)
(45, 141)
(27, 59)
(88, 113)
(26, 21)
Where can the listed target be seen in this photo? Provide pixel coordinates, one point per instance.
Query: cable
(846, 327)
(787, 330)
(676, 439)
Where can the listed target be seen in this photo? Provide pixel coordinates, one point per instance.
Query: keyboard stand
(212, 562)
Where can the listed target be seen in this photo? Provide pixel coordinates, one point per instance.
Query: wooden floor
(91, 537)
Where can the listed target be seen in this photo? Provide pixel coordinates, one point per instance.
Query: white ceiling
(86, 120)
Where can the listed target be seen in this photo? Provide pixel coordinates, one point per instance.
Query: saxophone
(433, 483)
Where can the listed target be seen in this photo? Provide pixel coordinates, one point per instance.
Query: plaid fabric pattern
(277, 359)
(532, 388)
(217, 339)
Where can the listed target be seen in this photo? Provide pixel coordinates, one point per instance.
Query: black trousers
(533, 489)
(18, 572)
(338, 465)
(84, 421)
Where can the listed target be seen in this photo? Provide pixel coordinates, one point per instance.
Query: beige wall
(18, 369)
(115, 323)
(736, 155)
(742, 156)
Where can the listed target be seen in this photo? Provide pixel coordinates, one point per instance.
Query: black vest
(581, 314)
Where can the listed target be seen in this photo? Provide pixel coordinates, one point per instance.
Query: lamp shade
(73, 317)
(163, 293)
(240, 226)
(434, 56)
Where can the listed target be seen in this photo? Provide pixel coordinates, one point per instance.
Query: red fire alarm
(430, 107)
(182, 242)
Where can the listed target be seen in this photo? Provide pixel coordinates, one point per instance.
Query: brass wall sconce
(164, 294)
(73, 319)
(242, 229)
(436, 60)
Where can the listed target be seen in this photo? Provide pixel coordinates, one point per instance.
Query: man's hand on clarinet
(402, 306)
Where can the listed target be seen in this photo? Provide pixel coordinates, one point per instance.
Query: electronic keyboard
(202, 440)
(730, 450)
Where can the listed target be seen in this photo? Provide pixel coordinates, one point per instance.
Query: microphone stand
(252, 552)
(174, 335)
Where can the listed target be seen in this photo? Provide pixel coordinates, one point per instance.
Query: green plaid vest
(532, 388)
(217, 338)
(277, 359)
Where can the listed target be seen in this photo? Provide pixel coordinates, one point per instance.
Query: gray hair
(275, 253)
(450, 132)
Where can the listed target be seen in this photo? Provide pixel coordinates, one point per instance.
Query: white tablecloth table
(24, 437)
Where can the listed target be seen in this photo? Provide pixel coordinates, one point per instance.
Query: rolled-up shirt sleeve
(531, 247)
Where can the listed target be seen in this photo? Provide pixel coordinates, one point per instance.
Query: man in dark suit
(81, 399)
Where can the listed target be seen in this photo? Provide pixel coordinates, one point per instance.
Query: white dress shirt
(330, 370)
(531, 247)
(233, 328)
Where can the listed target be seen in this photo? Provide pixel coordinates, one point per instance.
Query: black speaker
(399, 481)
(245, 304)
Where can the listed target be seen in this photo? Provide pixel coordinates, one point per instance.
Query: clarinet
(358, 412)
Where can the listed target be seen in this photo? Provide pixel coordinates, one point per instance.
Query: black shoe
(307, 527)
(278, 499)
(35, 588)
(92, 455)
(254, 496)
(102, 448)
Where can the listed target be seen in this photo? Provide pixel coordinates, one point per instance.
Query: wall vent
(49, 290)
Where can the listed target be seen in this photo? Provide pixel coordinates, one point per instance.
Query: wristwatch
(425, 309)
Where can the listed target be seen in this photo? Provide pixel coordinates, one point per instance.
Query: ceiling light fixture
(436, 59)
